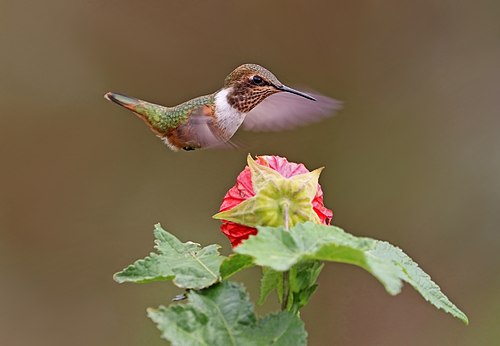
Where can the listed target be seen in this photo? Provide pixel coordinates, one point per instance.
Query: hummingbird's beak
(296, 92)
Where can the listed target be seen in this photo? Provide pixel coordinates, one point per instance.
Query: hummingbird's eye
(257, 80)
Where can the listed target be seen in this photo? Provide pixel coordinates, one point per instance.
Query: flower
(271, 191)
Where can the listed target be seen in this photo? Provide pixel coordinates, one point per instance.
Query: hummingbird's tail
(123, 100)
(157, 117)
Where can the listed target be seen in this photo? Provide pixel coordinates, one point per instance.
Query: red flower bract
(243, 190)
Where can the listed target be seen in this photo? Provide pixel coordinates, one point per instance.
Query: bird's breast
(229, 119)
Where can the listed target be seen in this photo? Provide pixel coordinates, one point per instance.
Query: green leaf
(302, 282)
(189, 265)
(280, 250)
(415, 276)
(223, 315)
(281, 329)
(271, 280)
(233, 264)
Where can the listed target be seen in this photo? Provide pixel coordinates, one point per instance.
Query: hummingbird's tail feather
(122, 100)
(158, 118)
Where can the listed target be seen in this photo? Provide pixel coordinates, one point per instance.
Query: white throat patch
(229, 118)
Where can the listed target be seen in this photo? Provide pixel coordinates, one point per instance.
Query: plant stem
(286, 285)
(286, 216)
(286, 291)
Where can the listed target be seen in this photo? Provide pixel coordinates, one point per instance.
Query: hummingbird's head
(250, 84)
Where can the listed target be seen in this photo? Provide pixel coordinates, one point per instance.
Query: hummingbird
(251, 97)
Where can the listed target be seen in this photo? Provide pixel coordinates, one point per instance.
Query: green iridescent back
(165, 118)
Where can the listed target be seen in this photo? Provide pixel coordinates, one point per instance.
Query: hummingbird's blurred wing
(207, 135)
(285, 110)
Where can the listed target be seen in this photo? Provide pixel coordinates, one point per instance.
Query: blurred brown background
(413, 158)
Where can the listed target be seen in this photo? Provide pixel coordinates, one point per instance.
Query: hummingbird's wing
(206, 134)
(284, 110)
